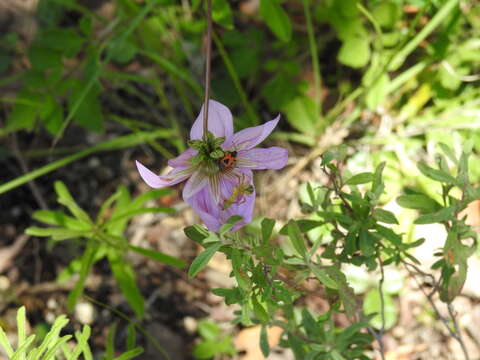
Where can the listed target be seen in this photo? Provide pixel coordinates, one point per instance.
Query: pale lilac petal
(220, 121)
(248, 138)
(195, 183)
(260, 159)
(213, 214)
(155, 181)
(183, 159)
(203, 205)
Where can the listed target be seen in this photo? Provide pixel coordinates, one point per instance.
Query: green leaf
(296, 238)
(323, 277)
(196, 233)
(5, 343)
(418, 202)
(267, 228)
(208, 330)
(264, 345)
(435, 174)
(87, 263)
(442, 215)
(88, 109)
(355, 51)
(60, 219)
(203, 258)
(158, 256)
(222, 13)
(301, 113)
(125, 277)
(56, 234)
(205, 350)
(362, 178)
(276, 18)
(260, 311)
(366, 243)
(65, 198)
(385, 216)
(130, 354)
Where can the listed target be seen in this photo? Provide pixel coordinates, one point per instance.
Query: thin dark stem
(382, 311)
(455, 332)
(208, 61)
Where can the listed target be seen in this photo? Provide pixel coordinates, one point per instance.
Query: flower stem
(208, 61)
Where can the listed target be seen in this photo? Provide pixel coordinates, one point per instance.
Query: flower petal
(260, 159)
(197, 181)
(182, 159)
(248, 138)
(155, 181)
(213, 214)
(220, 121)
(203, 205)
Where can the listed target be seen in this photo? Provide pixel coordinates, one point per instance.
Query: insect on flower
(218, 167)
(238, 193)
(228, 160)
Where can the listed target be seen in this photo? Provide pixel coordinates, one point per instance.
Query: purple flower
(219, 170)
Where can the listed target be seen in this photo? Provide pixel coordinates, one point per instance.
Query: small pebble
(4, 283)
(190, 324)
(84, 313)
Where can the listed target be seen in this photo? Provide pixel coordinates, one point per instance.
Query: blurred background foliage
(393, 78)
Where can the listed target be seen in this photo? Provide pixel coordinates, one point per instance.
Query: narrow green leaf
(130, 354)
(125, 277)
(385, 216)
(158, 256)
(260, 311)
(5, 343)
(435, 174)
(203, 258)
(196, 233)
(22, 350)
(267, 228)
(296, 238)
(65, 198)
(52, 351)
(264, 345)
(366, 243)
(418, 202)
(56, 233)
(60, 219)
(442, 215)
(21, 320)
(87, 263)
(110, 346)
(129, 214)
(362, 178)
(323, 277)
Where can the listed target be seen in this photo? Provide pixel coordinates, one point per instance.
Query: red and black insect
(228, 160)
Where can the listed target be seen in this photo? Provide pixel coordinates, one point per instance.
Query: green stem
(236, 81)
(317, 78)
(115, 144)
(427, 30)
